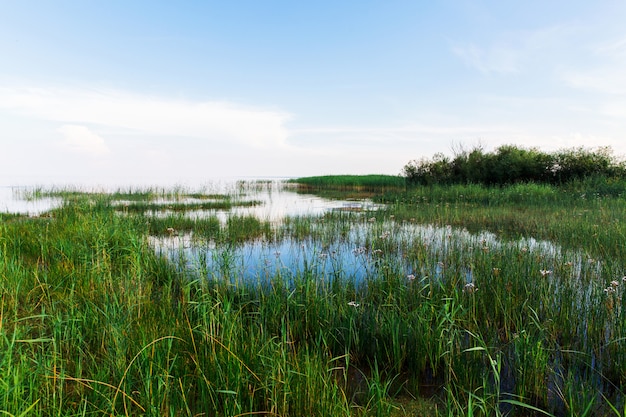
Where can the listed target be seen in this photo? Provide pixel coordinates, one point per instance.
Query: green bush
(510, 164)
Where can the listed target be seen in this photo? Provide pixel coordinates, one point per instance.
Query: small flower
(470, 288)
(353, 304)
(410, 277)
(359, 251)
(524, 249)
(545, 272)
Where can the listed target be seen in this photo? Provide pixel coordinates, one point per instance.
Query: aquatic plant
(125, 314)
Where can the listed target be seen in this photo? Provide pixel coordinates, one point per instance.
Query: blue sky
(175, 92)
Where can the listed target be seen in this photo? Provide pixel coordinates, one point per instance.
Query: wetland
(274, 298)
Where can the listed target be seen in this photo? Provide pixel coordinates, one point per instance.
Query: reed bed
(377, 182)
(349, 186)
(222, 204)
(95, 321)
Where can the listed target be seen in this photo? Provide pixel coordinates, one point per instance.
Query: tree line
(511, 164)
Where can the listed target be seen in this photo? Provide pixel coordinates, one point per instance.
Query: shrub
(510, 164)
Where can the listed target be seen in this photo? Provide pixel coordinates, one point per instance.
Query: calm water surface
(277, 200)
(12, 201)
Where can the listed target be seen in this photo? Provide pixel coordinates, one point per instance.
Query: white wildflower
(470, 288)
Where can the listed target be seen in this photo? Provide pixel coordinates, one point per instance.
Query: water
(12, 201)
(350, 254)
(355, 249)
(277, 200)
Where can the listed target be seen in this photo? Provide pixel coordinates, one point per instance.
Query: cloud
(604, 72)
(217, 121)
(514, 52)
(599, 80)
(80, 139)
(392, 137)
(496, 58)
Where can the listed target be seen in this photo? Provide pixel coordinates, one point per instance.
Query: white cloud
(354, 138)
(604, 69)
(616, 48)
(496, 58)
(211, 120)
(80, 139)
(599, 80)
(516, 51)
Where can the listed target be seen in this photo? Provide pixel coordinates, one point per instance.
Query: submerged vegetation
(454, 299)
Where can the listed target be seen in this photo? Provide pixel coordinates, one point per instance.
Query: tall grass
(573, 219)
(94, 322)
(349, 182)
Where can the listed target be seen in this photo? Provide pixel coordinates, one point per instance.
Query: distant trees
(511, 164)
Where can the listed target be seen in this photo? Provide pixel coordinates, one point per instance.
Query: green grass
(574, 219)
(368, 182)
(139, 195)
(94, 322)
(223, 204)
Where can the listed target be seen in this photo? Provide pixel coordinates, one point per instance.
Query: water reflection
(12, 200)
(276, 200)
(365, 251)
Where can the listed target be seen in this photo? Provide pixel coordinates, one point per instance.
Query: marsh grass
(221, 204)
(94, 322)
(348, 186)
(377, 182)
(141, 194)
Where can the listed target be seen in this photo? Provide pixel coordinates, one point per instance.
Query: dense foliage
(511, 164)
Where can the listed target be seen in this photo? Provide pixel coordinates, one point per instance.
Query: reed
(370, 313)
(346, 181)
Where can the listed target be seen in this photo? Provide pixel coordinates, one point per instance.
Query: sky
(163, 92)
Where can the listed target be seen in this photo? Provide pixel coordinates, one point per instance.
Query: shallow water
(12, 201)
(367, 250)
(277, 200)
